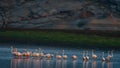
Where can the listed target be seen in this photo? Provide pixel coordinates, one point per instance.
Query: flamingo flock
(39, 54)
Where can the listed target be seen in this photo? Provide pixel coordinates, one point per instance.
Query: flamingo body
(74, 57)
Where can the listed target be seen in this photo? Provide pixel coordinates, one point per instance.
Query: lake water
(7, 60)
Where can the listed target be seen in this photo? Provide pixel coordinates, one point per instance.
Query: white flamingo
(35, 54)
(58, 56)
(52, 55)
(108, 58)
(111, 56)
(103, 58)
(84, 58)
(15, 52)
(48, 56)
(74, 57)
(26, 53)
(41, 54)
(87, 57)
(63, 55)
(94, 56)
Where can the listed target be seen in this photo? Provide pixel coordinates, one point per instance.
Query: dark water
(7, 60)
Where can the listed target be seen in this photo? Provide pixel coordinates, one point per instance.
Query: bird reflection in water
(58, 63)
(109, 65)
(64, 63)
(74, 63)
(103, 64)
(27, 63)
(85, 64)
(48, 64)
(94, 64)
(21, 63)
(37, 63)
(16, 63)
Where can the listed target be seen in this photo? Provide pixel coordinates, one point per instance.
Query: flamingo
(111, 54)
(15, 52)
(26, 53)
(84, 58)
(87, 57)
(35, 54)
(108, 58)
(52, 55)
(49, 56)
(103, 58)
(74, 57)
(58, 56)
(41, 54)
(94, 56)
(63, 55)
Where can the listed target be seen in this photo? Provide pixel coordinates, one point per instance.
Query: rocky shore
(59, 14)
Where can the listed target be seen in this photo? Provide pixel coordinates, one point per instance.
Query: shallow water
(7, 60)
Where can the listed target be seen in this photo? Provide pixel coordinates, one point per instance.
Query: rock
(86, 14)
(53, 11)
(81, 22)
(66, 12)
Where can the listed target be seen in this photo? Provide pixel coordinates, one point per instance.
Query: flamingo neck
(108, 53)
(112, 53)
(103, 55)
(92, 52)
(39, 50)
(11, 49)
(63, 52)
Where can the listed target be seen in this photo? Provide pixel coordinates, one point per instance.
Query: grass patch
(61, 37)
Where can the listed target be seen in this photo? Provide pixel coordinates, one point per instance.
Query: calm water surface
(7, 60)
